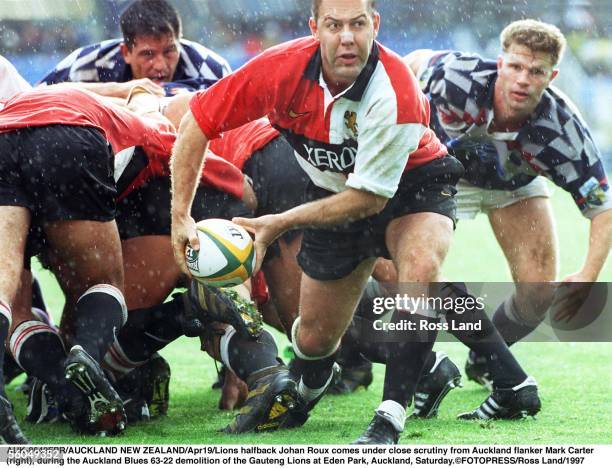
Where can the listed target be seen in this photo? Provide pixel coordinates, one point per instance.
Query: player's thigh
(418, 244)
(14, 223)
(89, 251)
(283, 275)
(326, 308)
(526, 233)
(150, 270)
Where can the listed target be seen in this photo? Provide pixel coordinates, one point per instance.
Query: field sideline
(574, 379)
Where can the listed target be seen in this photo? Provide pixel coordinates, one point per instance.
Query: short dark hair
(316, 4)
(149, 18)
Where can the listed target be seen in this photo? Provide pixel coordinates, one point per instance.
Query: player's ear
(376, 20)
(500, 62)
(554, 74)
(125, 52)
(312, 24)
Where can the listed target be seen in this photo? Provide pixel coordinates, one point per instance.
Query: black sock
(150, 330)
(512, 329)
(315, 373)
(487, 342)
(5, 325)
(364, 341)
(10, 368)
(40, 351)
(408, 352)
(245, 356)
(429, 362)
(38, 300)
(99, 316)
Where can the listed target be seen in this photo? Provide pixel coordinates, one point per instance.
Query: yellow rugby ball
(226, 256)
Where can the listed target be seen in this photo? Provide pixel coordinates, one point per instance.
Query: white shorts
(472, 200)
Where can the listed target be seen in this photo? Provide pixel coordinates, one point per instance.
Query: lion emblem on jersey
(350, 120)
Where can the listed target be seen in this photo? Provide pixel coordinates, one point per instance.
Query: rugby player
(11, 82)
(57, 179)
(506, 123)
(152, 53)
(373, 164)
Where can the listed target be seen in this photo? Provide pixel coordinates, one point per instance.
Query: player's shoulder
(91, 53)
(296, 50)
(394, 87)
(195, 50)
(556, 100)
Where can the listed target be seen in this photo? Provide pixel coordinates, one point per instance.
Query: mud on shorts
(59, 173)
(279, 184)
(333, 253)
(472, 200)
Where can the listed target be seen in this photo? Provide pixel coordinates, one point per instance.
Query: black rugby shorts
(279, 184)
(333, 253)
(146, 210)
(58, 172)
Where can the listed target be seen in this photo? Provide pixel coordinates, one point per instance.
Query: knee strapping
(299, 353)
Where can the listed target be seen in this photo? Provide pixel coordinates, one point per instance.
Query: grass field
(575, 379)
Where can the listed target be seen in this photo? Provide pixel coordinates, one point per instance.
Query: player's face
(346, 30)
(153, 57)
(523, 75)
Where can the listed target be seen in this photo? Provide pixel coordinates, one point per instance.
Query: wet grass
(574, 378)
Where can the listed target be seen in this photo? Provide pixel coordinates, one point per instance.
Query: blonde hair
(536, 36)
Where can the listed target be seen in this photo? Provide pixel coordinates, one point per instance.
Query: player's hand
(570, 295)
(266, 230)
(146, 83)
(183, 233)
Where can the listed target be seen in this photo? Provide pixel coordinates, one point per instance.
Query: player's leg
(526, 233)
(326, 309)
(38, 349)
(14, 224)
(524, 228)
(418, 244)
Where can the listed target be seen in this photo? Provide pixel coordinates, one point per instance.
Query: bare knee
(311, 341)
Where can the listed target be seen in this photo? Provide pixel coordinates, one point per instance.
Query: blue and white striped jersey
(198, 67)
(555, 142)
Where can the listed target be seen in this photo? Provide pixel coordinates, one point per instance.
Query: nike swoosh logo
(295, 115)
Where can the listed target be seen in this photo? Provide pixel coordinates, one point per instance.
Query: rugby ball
(226, 256)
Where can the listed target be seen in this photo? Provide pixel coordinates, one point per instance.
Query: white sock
(393, 412)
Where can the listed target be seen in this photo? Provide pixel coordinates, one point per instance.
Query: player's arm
(349, 205)
(186, 167)
(116, 90)
(417, 58)
(600, 241)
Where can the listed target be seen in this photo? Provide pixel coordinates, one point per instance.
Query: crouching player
(56, 178)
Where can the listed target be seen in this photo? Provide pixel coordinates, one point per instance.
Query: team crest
(192, 257)
(350, 120)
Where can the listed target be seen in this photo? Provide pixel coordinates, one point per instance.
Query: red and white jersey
(70, 106)
(239, 144)
(363, 138)
(123, 129)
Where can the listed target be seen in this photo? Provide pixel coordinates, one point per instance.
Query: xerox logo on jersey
(340, 160)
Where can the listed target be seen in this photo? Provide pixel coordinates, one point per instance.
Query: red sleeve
(223, 176)
(254, 90)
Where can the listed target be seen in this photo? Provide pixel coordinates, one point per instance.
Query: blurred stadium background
(36, 34)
